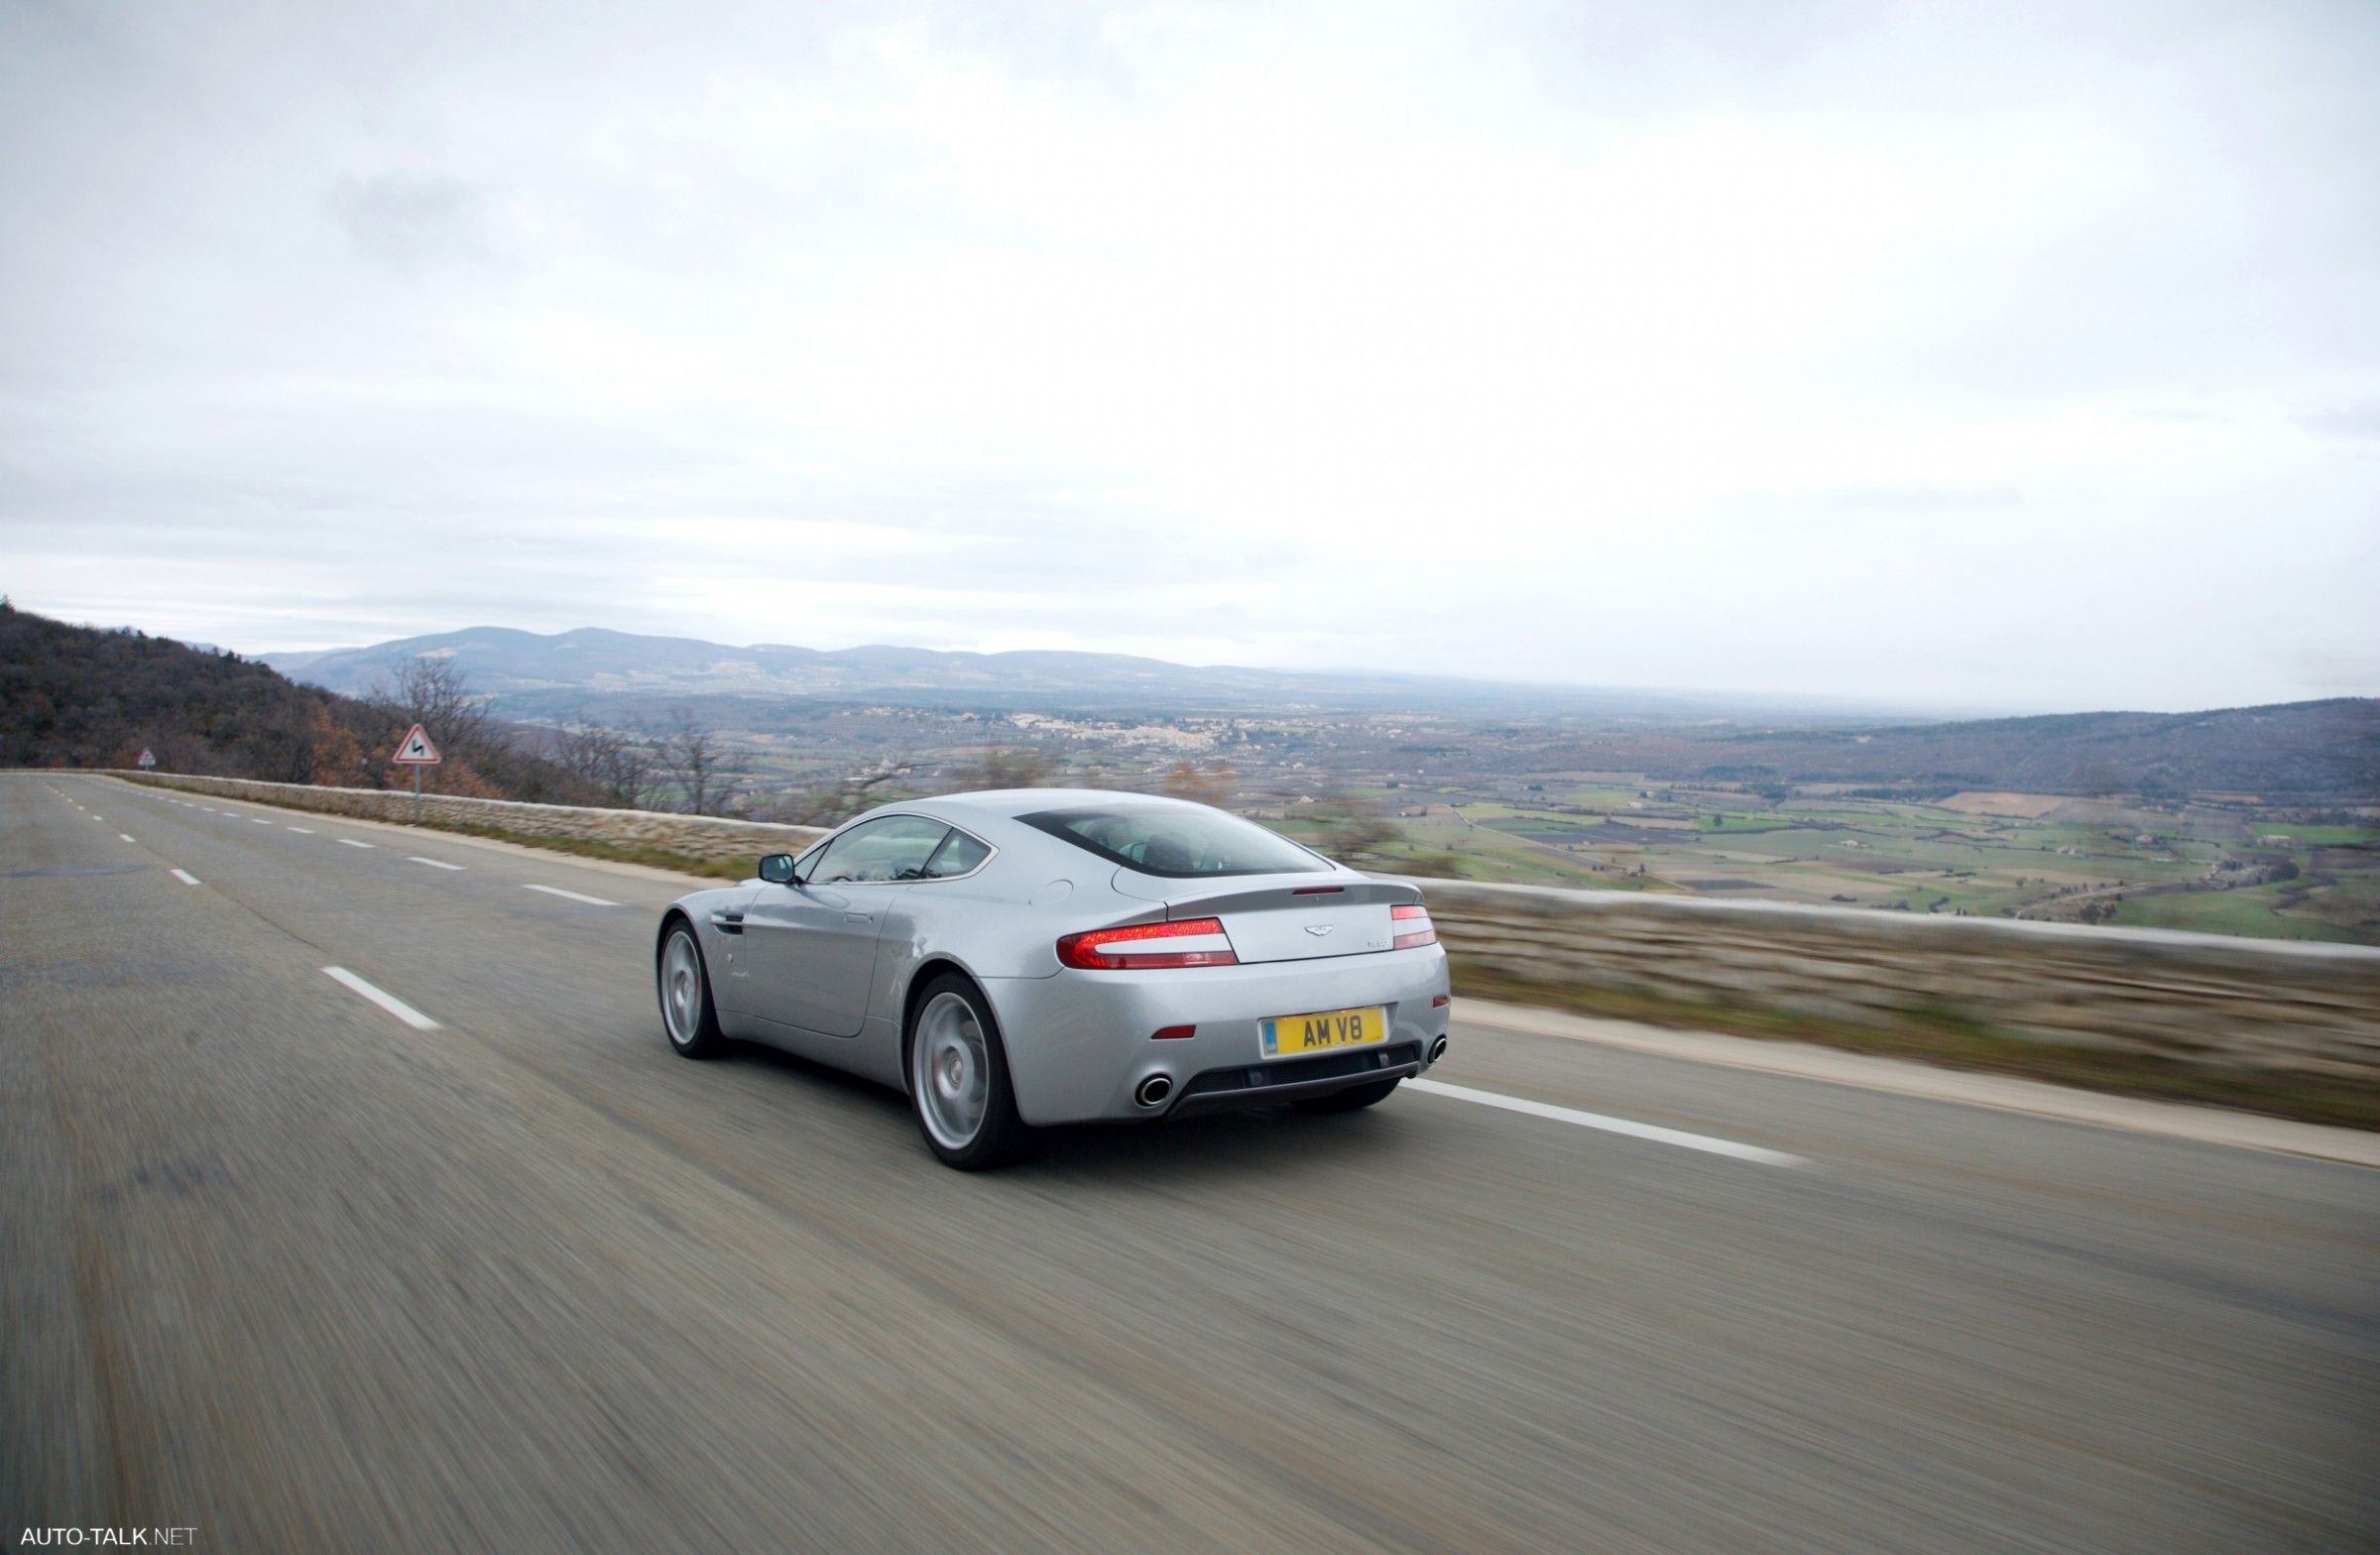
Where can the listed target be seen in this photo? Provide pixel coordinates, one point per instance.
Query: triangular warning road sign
(414, 749)
(148, 759)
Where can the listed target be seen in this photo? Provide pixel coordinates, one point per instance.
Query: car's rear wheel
(959, 1079)
(687, 1012)
(1353, 1099)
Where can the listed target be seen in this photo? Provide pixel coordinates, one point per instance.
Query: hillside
(80, 696)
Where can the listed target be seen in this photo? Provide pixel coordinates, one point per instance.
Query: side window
(892, 848)
(958, 854)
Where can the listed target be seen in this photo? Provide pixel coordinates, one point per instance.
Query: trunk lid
(1295, 917)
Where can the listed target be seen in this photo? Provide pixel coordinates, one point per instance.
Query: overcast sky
(2016, 355)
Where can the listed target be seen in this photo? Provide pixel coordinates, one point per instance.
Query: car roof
(1008, 803)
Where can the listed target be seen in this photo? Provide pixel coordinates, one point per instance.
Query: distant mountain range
(2303, 748)
(527, 673)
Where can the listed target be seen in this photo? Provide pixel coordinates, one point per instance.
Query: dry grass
(1956, 1041)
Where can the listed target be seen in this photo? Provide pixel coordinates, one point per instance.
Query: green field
(2247, 912)
(2321, 836)
(2073, 865)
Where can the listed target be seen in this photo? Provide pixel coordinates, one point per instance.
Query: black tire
(688, 1016)
(1353, 1099)
(956, 1070)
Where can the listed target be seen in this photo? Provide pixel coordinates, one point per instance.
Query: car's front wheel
(959, 1079)
(687, 1012)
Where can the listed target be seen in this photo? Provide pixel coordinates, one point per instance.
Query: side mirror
(777, 868)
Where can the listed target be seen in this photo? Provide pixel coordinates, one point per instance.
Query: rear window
(1180, 844)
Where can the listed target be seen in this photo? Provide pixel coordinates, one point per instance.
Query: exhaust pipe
(1154, 1090)
(1438, 1049)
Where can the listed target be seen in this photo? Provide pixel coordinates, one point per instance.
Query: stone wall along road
(2273, 1006)
(709, 838)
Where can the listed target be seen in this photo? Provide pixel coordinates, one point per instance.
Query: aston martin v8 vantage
(1019, 959)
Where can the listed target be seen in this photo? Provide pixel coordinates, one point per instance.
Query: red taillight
(1412, 925)
(1149, 945)
(1172, 1033)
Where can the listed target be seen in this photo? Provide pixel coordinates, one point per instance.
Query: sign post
(415, 751)
(148, 761)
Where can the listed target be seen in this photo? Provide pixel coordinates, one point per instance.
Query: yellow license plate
(1286, 1036)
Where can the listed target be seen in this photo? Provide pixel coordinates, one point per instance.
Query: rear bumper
(1266, 1084)
(1080, 1044)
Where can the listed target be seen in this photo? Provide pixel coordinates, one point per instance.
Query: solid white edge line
(352, 843)
(435, 864)
(389, 1002)
(556, 891)
(1623, 1126)
(185, 876)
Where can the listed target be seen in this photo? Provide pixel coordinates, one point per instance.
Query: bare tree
(1009, 766)
(697, 764)
(1355, 829)
(436, 694)
(616, 764)
(1210, 784)
(832, 800)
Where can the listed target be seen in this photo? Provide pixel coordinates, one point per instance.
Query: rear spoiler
(1283, 891)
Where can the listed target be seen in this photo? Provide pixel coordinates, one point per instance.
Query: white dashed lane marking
(387, 1000)
(185, 876)
(556, 891)
(1622, 1126)
(352, 843)
(301, 831)
(127, 836)
(414, 858)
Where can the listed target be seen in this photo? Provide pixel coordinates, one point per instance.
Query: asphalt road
(283, 1268)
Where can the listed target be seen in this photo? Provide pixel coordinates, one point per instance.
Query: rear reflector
(1412, 925)
(1193, 943)
(1172, 1033)
(1439, 1002)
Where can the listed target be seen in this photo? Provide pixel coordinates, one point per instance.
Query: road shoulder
(440, 834)
(1902, 1077)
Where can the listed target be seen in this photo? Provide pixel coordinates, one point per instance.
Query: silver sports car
(1042, 956)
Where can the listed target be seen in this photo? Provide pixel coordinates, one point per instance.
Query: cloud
(2346, 421)
(1652, 343)
(1929, 499)
(408, 220)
